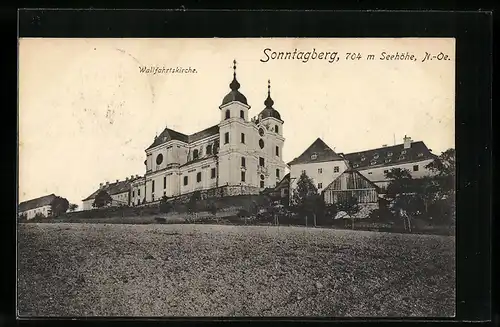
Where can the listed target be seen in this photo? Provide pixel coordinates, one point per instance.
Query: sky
(87, 113)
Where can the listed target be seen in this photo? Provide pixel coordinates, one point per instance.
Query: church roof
(36, 203)
(269, 111)
(389, 155)
(319, 151)
(170, 134)
(234, 95)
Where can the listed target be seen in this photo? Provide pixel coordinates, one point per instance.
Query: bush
(165, 206)
(160, 220)
(382, 214)
(243, 213)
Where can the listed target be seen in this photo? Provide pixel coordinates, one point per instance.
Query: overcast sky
(87, 113)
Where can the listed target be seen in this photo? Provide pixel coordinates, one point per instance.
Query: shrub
(165, 206)
(160, 220)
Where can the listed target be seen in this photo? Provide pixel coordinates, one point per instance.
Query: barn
(351, 183)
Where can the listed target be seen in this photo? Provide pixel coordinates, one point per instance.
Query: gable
(351, 179)
(36, 203)
(319, 151)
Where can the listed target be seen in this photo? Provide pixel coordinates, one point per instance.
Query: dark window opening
(185, 180)
(228, 114)
(278, 173)
(198, 177)
(153, 186)
(209, 149)
(195, 154)
(243, 162)
(242, 137)
(242, 176)
(242, 114)
(276, 129)
(261, 184)
(261, 162)
(164, 182)
(415, 168)
(277, 151)
(212, 172)
(226, 138)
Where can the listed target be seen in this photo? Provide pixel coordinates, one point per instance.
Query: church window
(242, 176)
(139, 192)
(242, 114)
(243, 138)
(277, 151)
(261, 162)
(226, 138)
(228, 114)
(262, 177)
(153, 186)
(198, 177)
(336, 169)
(212, 172)
(276, 129)
(195, 154)
(185, 180)
(152, 197)
(209, 149)
(261, 184)
(133, 193)
(243, 162)
(261, 143)
(277, 173)
(165, 182)
(261, 131)
(159, 159)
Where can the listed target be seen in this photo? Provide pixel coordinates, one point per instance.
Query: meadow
(72, 269)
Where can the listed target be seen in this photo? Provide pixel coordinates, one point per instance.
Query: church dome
(269, 111)
(234, 95)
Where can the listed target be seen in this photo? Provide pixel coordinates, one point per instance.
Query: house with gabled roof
(320, 162)
(374, 163)
(120, 192)
(41, 206)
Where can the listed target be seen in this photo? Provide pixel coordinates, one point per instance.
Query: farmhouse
(373, 164)
(352, 184)
(41, 206)
(119, 192)
(238, 152)
(320, 163)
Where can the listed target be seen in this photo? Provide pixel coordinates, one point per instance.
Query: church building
(239, 153)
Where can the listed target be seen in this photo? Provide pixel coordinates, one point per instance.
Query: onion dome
(269, 111)
(234, 95)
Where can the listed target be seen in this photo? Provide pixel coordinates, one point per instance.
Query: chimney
(101, 185)
(117, 180)
(407, 142)
(131, 176)
(126, 178)
(107, 183)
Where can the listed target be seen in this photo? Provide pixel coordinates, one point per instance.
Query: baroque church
(238, 153)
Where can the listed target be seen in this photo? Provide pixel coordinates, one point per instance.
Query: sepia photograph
(236, 177)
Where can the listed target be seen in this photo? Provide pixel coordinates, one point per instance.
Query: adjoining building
(41, 206)
(239, 153)
(352, 184)
(374, 163)
(119, 192)
(320, 163)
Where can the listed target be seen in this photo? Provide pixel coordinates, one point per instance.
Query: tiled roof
(113, 188)
(316, 152)
(389, 155)
(36, 203)
(169, 134)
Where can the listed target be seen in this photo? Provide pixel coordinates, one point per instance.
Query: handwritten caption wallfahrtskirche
(333, 56)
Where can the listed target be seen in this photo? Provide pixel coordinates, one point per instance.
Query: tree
(59, 206)
(444, 170)
(350, 206)
(193, 200)
(305, 197)
(102, 199)
(73, 207)
(165, 205)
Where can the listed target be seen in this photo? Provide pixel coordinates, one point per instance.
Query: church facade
(241, 152)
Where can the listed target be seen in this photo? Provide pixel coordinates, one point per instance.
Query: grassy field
(208, 270)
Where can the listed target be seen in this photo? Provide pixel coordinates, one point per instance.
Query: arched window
(243, 162)
(242, 114)
(276, 129)
(195, 154)
(228, 114)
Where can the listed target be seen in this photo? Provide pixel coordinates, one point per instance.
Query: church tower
(235, 131)
(271, 141)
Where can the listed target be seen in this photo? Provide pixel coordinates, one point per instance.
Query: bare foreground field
(206, 270)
